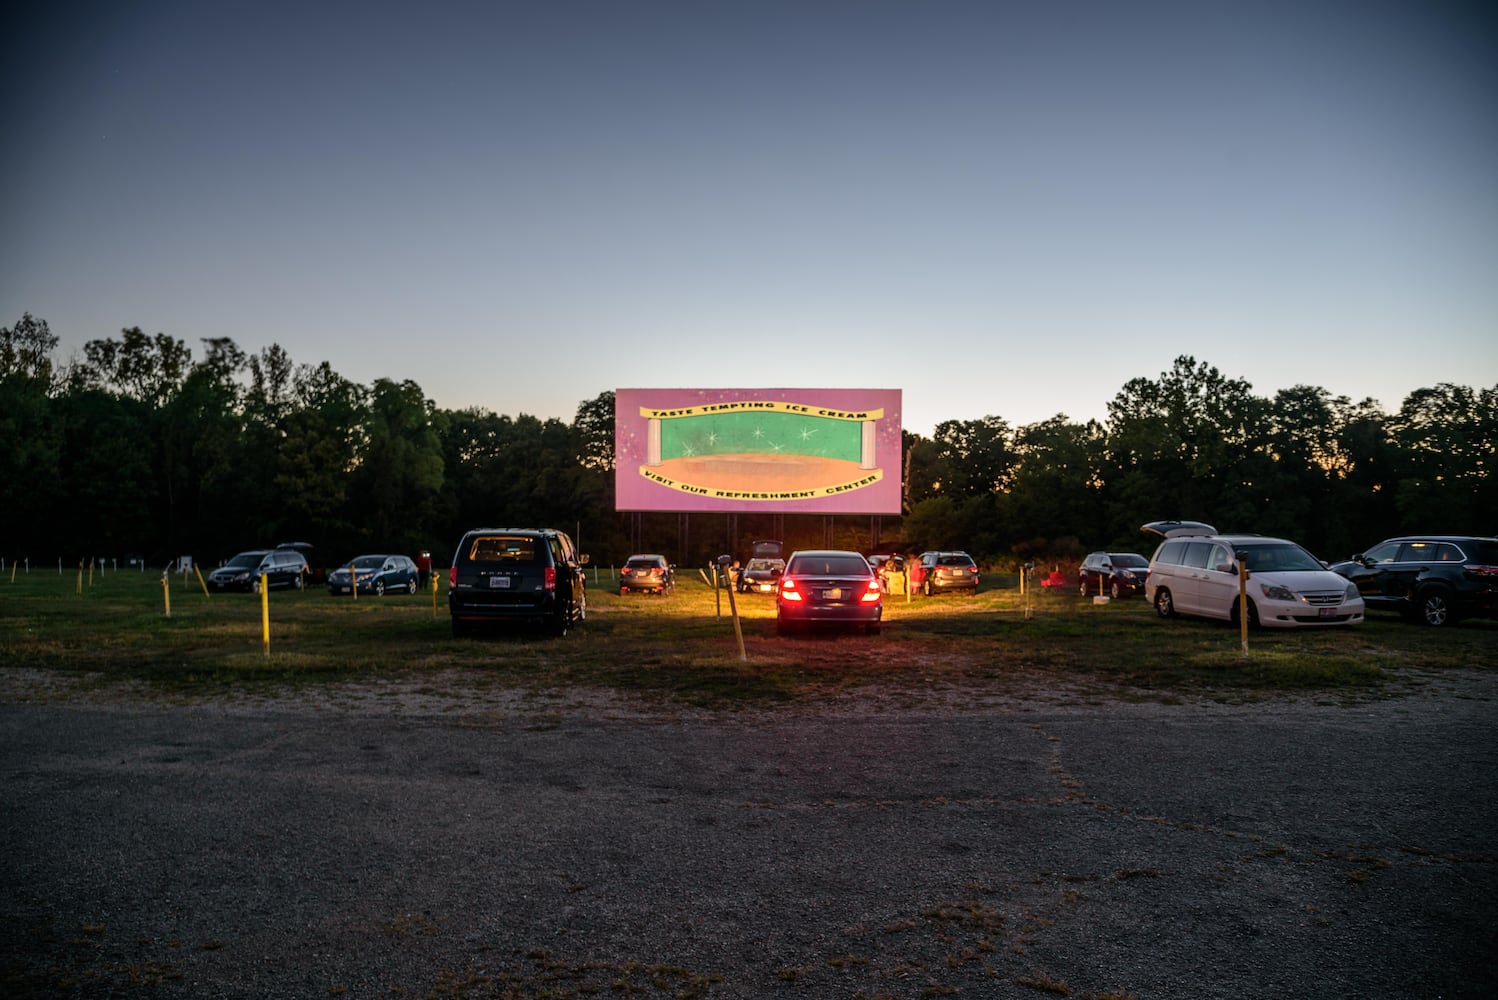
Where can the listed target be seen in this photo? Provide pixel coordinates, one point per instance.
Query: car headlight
(1275, 592)
(1352, 593)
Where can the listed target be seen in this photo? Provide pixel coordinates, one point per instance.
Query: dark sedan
(828, 587)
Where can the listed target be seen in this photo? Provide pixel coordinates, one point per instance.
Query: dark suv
(1435, 579)
(530, 575)
(279, 567)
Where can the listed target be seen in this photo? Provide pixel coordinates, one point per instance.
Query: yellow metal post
(1243, 604)
(166, 591)
(265, 612)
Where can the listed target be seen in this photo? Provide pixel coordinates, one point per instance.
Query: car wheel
(782, 627)
(255, 586)
(1253, 613)
(460, 628)
(872, 628)
(926, 588)
(1432, 607)
(1115, 590)
(299, 581)
(1164, 604)
(411, 585)
(379, 588)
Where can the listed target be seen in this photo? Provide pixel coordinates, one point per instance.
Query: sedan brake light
(871, 592)
(789, 591)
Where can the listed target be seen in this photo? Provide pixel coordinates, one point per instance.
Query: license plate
(499, 583)
(1327, 612)
(832, 594)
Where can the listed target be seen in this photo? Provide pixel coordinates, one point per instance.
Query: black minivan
(529, 575)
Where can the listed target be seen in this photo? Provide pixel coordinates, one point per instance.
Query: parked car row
(1432, 579)
(286, 567)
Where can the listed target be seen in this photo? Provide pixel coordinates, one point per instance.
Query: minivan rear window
(502, 548)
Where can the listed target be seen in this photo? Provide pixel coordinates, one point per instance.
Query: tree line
(141, 448)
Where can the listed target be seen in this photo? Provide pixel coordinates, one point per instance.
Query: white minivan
(1195, 572)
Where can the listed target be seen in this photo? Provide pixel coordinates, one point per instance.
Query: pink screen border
(634, 492)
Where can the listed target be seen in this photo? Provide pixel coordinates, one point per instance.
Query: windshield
(1278, 558)
(369, 562)
(245, 560)
(1129, 560)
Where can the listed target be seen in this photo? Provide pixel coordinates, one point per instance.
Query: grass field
(112, 630)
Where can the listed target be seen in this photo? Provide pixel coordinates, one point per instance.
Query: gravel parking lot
(388, 843)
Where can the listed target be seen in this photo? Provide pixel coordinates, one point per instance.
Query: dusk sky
(998, 208)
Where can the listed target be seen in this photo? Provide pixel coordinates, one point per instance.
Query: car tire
(379, 588)
(1432, 607)
(460, 628)
(926, 590)
(782, 627)
(872, 628)
(299, 581)
(1164, 604)
(1253, 613)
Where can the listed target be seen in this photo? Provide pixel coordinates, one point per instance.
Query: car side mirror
(1227, 568)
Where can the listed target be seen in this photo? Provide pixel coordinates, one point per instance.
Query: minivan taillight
(452, 577)
(551, 578)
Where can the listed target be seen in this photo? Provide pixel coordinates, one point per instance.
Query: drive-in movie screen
(829, 451)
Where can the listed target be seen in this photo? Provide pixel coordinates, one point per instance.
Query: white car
(1195, 572)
